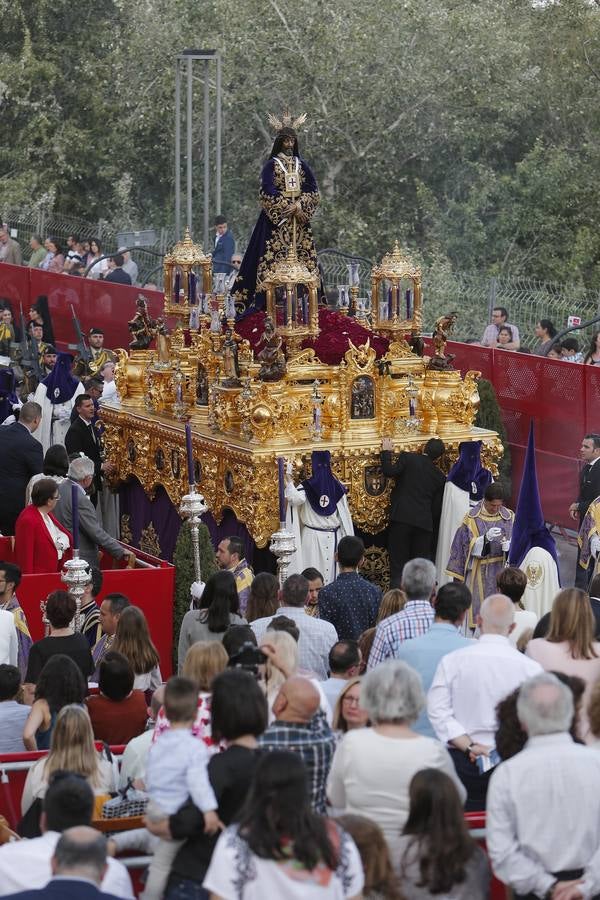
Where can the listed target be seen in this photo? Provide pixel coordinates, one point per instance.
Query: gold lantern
(187, 271)
(300, 311)
(396, 298)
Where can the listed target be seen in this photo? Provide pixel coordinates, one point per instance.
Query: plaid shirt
(414, 620)
(316, 638)
(314, 742)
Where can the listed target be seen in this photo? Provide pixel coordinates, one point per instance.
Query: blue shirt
(424, 653)
(351, 604)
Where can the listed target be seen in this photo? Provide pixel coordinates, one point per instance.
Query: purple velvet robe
(479, 573)
(272, 233)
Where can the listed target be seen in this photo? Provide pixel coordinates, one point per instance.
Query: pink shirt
(557, 658)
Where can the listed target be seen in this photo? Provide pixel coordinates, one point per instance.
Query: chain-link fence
(24, 224)
(471, 295)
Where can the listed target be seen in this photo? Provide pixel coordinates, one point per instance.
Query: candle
(192, 287)
(411, 407)
(305, 309)
(280, 465)
(390, 301)
(177, 287)
(408, 304)
(75, 514)
(190, 455)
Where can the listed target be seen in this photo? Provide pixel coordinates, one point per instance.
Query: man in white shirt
(543, 827)
(25, 865)
(9, 645)
(466, 688)
(133, 764)
(317, 637)
(344, 663)
(500, 320)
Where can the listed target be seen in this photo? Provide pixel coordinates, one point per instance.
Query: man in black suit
(118, 275)
(21, 456)
(416, 503)
(78, 867)
(82, 437)
(589, 489)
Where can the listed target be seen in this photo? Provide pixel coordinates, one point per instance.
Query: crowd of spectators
(500, 334)
(285, 756)
(75, 256)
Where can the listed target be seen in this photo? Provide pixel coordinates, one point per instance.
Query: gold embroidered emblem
(535, 574)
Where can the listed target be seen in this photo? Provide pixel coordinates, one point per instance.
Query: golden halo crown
(286, 120)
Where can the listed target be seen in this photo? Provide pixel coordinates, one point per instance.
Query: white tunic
(542, 581)
(316, 536)
(56, 417)
(455, 506)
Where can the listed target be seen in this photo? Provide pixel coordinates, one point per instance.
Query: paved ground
(566, 546)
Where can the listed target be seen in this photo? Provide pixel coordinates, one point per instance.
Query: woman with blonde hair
(570, 647)
(133, 641)
(348, 713)
(203, 662)
(71, 749)
(282, 662)
(392, 602)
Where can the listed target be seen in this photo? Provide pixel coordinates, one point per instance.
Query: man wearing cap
(48, 359)
(98, 355)
(56, 394)
(224, 246)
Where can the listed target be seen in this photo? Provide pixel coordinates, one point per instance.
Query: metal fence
(471, 295)
(26, 223)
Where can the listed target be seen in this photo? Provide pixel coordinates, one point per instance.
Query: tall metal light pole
(184, 66)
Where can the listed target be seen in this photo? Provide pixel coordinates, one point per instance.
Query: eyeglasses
(351, 701)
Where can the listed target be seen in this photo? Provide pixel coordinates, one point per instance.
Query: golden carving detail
(376, 566)
(149, 542)
(239, 430)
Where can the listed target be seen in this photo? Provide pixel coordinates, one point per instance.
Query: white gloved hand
(63, 413)
(505, 545)
(595, 545)
(196, 591)
(478, 547)
(492, 534)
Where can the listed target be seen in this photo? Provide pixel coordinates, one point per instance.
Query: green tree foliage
(183, 560)
(466, 130)
(489, 416)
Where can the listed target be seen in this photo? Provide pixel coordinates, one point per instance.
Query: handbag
(128, 802)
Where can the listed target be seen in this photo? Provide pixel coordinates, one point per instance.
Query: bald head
(497, 615)
(80, 853)
(297, 700)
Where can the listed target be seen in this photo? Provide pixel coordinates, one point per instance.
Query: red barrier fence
(96, 303)
(152, 588)
(562, 398)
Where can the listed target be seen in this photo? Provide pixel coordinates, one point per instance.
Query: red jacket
(35, 552)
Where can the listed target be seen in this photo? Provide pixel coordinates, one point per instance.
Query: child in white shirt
(176, 770)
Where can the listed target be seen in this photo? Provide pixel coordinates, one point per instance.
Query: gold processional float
(246, 412)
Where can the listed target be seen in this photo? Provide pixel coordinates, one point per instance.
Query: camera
(248, 657)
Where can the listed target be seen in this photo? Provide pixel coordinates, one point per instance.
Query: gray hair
(418, 579)
(81, 851)
(497, 614)
(392, 692)
(545, 705)
(81, 468)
